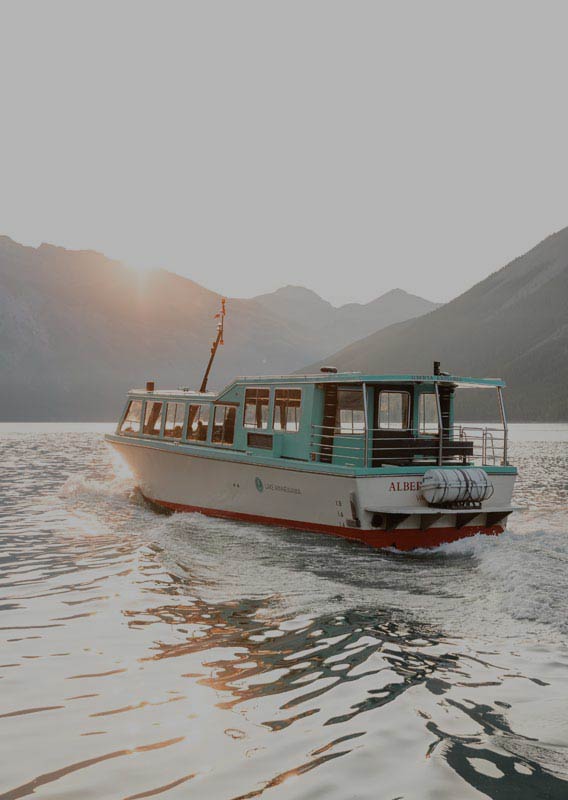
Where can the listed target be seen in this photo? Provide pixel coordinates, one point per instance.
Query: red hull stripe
(400, 538)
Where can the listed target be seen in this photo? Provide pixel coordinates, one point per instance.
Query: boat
(379, 459)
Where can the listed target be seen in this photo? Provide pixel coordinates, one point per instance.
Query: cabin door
(329, 417)
(342, 435)
(392, 436)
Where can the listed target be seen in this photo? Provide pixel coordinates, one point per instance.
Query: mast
(218, 340)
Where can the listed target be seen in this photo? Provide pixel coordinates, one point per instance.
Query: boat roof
(182, 393)
(327, 377)
(361, 377)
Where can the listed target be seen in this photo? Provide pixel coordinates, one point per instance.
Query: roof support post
(366, 413)
(440, 424)
(505, 426)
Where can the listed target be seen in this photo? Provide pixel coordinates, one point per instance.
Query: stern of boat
(395, 509)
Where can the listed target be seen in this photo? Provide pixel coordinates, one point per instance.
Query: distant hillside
(514, 325)
(78, 329)
(298, 305)
(336, 327)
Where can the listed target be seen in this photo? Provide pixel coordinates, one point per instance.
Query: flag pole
(218, 340)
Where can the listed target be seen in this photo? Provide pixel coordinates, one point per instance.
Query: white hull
(357, 507)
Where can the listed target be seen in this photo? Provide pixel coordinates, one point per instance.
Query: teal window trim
(301, 408)
(419, 401)
(124, 414)
(158, 435)
(198, 442)
(225, 406)
(410, 414)
(244, 408)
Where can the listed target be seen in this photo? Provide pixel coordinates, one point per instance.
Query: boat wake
(520, 576)
(514, 584)
(81, 486)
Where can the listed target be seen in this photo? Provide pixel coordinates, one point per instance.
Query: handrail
(504, 424)
(460, 444)
(452, 429)
(440, 422)
(366, 417)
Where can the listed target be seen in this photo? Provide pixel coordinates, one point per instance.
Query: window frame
(184, 412)
(249, 427)
(437, 423)
(129, 405)
(227, 407)
(352, 431)
(186, 437)
(161, 418)
(404, 427)
(274, 407)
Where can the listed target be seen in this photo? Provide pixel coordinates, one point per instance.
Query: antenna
(218, 340)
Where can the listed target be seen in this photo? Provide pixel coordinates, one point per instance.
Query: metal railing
(329, 444)
(460, 444)
(489, 443)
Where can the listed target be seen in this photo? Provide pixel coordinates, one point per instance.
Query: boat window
(427, 413)
(256, 408)
(224, 424)
(350, 416)
(394, 408)
(198, 423)
(173, 425)
(131, 423)
(153, 418)
(287, 410)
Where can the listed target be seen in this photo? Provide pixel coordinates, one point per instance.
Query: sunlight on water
(179, 656)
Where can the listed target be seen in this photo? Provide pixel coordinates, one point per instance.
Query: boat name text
(405, 486)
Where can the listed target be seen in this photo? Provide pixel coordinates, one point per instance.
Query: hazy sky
(350, 147)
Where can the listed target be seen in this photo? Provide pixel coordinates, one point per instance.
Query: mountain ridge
(77, 329)
(338, 325)
(514, 323)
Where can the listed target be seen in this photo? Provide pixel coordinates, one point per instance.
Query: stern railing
(460, 444)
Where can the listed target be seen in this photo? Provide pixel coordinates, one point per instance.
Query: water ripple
(215, 660)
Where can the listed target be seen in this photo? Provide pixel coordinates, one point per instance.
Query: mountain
(78, 329)
(513, 325)
(336, 327)
(298, 305)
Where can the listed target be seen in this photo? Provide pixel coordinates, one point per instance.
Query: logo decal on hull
(275, 487)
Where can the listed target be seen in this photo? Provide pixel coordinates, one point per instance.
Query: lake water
(182, 657)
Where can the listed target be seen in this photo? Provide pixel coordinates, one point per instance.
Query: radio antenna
(218, 340)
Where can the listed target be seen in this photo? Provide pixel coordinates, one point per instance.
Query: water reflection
(182, 657)
(299, 663)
